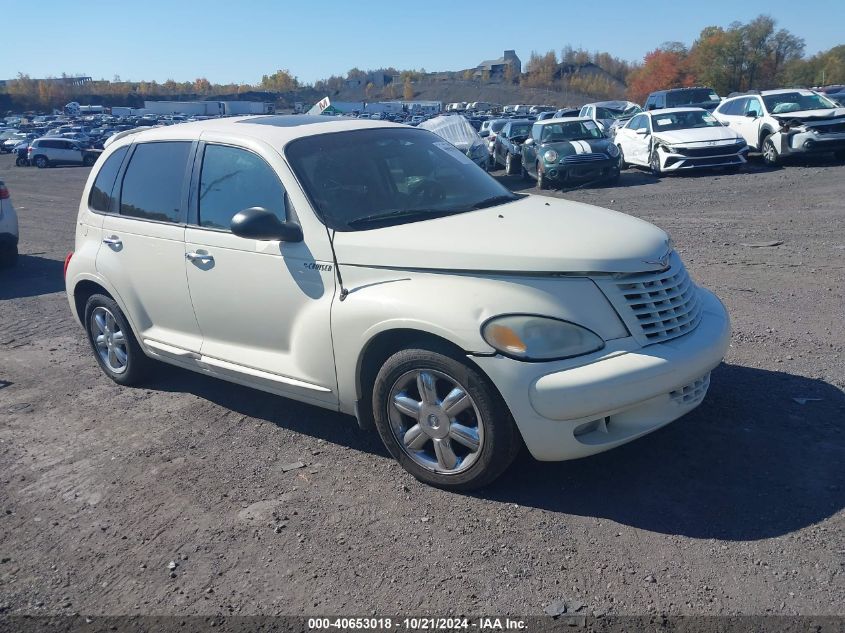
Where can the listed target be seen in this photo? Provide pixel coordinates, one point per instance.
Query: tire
(88, 161)
(622, 163)
(483, 420)
(542, 183)
(654, 164)
(770, 153)
(41, 162)
(20, 162)
(135, 364)
(509, 166)
(8, 257)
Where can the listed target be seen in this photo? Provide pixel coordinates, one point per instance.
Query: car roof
(277, 130)
(563, 118)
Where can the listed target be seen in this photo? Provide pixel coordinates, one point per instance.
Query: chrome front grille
(655, 307)
(693, 392)
(583, 158)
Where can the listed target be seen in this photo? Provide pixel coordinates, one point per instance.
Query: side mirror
(751, 115)
(257, 223)
(484, 133)
(529, 141)
(642, 131)
(651, 106)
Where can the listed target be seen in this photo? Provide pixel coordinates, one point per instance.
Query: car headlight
(612, 150)
(550, 156)
(529, 337)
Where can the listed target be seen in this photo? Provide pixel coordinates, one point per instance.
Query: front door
(749, 123)
(263, 306)
(143, 249)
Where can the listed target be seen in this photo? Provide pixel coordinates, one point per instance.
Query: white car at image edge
(373, 269)
(680, 139)
(8, 229)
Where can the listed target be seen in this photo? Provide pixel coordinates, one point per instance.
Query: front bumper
(679, 161)
(808, 143)
(594, 170)
(565, 410)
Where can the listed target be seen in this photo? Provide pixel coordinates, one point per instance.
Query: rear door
(263, 306)
(143, 250)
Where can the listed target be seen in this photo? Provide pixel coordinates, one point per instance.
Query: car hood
(535, 234)
(698, 135)
(811, 115)
(586, 146)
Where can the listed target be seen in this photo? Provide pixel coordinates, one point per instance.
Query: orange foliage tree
(662, 68)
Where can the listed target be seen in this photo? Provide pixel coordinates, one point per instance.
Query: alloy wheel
(109, 340)
(435, 421)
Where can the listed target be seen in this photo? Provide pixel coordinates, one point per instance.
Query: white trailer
(247, 107)
(191, 108)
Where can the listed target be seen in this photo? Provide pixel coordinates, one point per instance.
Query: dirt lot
(735, 509)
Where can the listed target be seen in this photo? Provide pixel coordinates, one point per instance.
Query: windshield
(692, 95)
(615, 113)
(520, 130)
(796, 102)
(368, 178)
(665, 122)
(497, 126)
(570, 131)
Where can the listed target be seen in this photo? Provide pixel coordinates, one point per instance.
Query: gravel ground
(176, 499)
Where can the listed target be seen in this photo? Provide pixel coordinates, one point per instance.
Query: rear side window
(101, 193)
(232, 180)
(152, 185)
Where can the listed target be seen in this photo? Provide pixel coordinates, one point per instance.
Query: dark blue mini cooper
(563, 151)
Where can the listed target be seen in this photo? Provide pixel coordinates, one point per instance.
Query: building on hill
(497, 67)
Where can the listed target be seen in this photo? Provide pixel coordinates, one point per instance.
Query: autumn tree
(540, 70)
(662, 68)
(279, 81)
(407, 90)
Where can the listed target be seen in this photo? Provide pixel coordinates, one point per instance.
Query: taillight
(67, 263)
(4, 192)
(29, 150)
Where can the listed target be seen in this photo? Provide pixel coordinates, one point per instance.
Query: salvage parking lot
(265, 505)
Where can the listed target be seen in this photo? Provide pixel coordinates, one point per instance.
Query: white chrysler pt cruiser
(374, 269)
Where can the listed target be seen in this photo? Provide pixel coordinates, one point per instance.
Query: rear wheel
(509, 166)
(770, 152)
(41, 162)
(442, 419)
(115, 346)
(88, 161)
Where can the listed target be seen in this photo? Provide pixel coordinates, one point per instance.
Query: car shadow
(750, 463)
(760, 458)
(32, 276)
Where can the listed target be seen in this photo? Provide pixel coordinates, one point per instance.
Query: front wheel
(509, 165)
(542, 183)
(88, 161)
(114, 345)
(442, 420)
(770, 152)
(654, 164)
(622, 163)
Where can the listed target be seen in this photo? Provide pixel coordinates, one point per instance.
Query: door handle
(114, 240)
(204, 258)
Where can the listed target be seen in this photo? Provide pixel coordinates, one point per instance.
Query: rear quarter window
(101, 197)
(154, 180)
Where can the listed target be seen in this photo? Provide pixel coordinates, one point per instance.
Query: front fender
(452, 307)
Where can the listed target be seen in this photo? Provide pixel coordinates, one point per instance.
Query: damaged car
(610, 115)
(460, 133)
(507, 149)
(561, 151)
(782, 123)
(679, 139)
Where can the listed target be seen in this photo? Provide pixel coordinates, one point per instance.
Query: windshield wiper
(404, 214)
(494, 201)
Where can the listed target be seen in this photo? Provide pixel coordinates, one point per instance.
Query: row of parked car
(598, 140)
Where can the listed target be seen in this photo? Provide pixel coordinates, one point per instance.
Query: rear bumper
(577, 411)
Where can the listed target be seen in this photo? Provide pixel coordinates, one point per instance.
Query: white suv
(46, 152)
(373, 269)
(781, 123)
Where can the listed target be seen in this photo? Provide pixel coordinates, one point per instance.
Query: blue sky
(229, 41)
